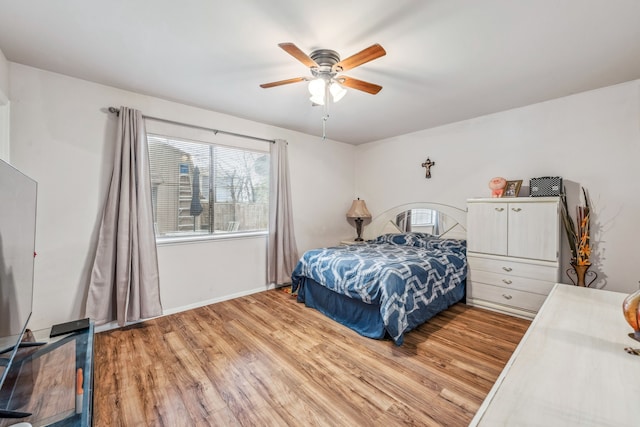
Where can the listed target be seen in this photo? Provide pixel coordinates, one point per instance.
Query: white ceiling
(447, 60)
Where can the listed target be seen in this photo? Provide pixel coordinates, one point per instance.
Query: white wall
(591, 139)
(4, 77)
(4, 108)
(62, 137)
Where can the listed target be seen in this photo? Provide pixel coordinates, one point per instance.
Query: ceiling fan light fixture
(317, 88)
(317, 100)
(337, 91)
(325, 65)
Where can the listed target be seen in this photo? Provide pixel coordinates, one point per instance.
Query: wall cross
(427, 164)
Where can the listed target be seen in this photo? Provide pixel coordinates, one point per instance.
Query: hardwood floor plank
(266, 360)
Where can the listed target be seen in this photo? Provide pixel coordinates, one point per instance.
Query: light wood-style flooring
(266, 360)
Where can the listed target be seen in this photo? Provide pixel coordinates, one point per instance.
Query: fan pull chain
(324, 126)
(326, 111)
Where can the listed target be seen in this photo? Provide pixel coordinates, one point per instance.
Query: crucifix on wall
(427, 164)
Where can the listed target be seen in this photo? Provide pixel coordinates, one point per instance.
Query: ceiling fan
(325, 66)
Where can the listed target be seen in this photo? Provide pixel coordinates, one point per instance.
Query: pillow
(442, 244)
(407, 239)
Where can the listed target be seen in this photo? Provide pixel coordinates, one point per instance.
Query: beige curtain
(124, 282)
(282, 254)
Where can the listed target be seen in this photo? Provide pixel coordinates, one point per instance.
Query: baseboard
(512, 311)
(215, 300)
(167, 312)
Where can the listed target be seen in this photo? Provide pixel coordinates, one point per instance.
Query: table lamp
(358, 211)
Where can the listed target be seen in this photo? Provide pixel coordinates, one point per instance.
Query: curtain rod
(215, 131)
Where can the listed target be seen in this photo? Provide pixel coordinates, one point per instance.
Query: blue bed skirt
(357, 315)
(362, 317)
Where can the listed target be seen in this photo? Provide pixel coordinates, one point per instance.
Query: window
(422, 217)
(201, 189)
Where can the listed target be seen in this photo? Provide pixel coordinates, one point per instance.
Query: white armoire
(513, 250)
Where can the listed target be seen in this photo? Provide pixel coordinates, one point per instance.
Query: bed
(392, 283)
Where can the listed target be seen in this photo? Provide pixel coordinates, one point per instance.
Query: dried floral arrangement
(578, 232)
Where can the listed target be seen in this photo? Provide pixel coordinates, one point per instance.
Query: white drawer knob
(506, 296)
(507, 281)
(516, 209)
(499, 209)
(507, 268)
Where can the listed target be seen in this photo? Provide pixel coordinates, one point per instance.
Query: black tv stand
(50, 376)
(31, 344)
(14, 414)
(23, 344)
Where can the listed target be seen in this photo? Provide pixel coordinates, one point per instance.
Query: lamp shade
(318, 100)
(337, 91)
(317, 88)
(358, 210)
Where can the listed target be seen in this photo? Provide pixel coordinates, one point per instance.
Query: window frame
(220, 235)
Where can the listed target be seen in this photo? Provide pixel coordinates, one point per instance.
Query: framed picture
(512, 189)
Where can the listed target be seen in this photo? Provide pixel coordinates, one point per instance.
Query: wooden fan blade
(295, 51)
(369, 54)
(282, 82)
(359, 84)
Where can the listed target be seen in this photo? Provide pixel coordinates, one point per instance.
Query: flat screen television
(18, 196)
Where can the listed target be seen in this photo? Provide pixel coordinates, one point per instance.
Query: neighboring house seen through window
(201, 189)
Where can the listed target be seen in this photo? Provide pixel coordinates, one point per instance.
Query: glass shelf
(44, 380)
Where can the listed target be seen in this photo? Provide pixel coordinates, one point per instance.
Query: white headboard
(457, 229)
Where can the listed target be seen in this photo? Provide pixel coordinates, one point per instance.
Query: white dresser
(513, 249)
(571, 368)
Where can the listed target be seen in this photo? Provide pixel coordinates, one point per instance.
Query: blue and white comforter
(402, 273)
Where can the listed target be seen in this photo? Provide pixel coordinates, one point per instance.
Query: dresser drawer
(514, 268)
(511, 282)
(503, 296)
